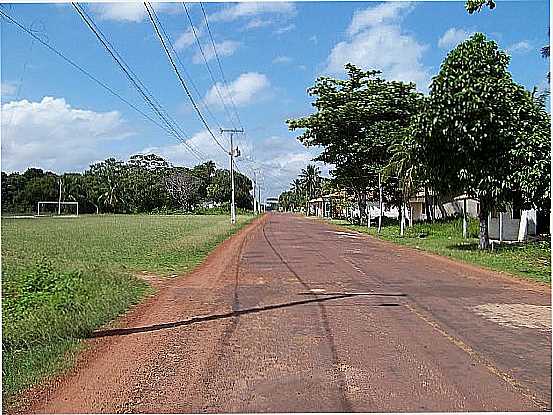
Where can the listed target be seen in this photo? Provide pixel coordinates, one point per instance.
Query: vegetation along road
(63, 277)
(292, 314)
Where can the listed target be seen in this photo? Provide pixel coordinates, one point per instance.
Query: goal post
(42, 205)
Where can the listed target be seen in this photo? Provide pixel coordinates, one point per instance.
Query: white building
(510, 225)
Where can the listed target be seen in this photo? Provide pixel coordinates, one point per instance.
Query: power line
(173, 125)
(220, 66)
(215, 84)
(137, 84)
(189, 78)
(153, 20)
(83, 71)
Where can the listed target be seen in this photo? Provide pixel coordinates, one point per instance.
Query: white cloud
(186, 39)
(251, 9)
(245, 89)
(256, 23)
(452, 37)
(7, 89)
(519, 47)
(282, 59)
(130, 11)
(376, 41)
(280, 160)
(383, 14)
(50, 134)
(285, 29)
(126, 12)
(225, 48)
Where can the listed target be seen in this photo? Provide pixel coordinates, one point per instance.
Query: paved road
(265, 326)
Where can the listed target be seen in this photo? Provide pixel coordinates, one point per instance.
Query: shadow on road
(200, 319)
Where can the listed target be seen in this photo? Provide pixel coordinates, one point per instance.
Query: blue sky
(55, 118)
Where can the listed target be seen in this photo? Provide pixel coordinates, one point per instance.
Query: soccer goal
(57, 208)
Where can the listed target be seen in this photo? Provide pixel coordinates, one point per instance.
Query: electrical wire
(166, 117)
(137, 84)
(155, 22)
(82, 70)
(225, 83)
(215, 83)
(190, 80)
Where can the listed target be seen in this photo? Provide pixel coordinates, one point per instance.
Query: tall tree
(219, 190)
(310, 178)
(356, 121)
(143, 183)
(183, 188)
(110, 177)
(475, 126)
(476, 5)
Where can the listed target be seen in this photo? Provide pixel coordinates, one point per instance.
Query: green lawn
(530, 261)
(64, 277)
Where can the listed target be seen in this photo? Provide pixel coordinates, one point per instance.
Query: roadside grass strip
(530, 260)
(64, 278)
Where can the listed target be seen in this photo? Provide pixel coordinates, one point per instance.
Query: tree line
(144, 184)
(477, 132)
(309, 184)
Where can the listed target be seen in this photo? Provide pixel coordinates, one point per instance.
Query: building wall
(513, 229)
(452, 208)
(510, 228)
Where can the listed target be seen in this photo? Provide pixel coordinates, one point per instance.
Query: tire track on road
(224, 344)
(426, 316)
(345, 404)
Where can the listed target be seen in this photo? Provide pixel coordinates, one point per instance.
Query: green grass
(531, 260)
(64, 277)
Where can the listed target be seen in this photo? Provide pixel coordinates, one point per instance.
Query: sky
(56, 118)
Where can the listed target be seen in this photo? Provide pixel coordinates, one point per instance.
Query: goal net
(57, 208)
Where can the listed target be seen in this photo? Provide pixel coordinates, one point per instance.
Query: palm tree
(404, 165)
(297, 187)
(311, 180)
(545, 51)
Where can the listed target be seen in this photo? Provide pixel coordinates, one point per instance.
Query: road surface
(293, 315)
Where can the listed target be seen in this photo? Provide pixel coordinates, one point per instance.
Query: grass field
(530, 261)
(64, 277)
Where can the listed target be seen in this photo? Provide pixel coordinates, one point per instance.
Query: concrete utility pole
(379, 203)
(59, 200)
(259, 198)
(465, 218)
(254, 193)
(232, 154)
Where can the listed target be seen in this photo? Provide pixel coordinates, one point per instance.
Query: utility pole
(59, 200)
(232, 154)
(379, 203)
(254, 193)
(259, 198)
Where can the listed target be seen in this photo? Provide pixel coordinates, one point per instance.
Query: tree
(183, 188)
(287, 200)
(143, 183)
(408, 170)
(530, 165)
(204, 172)
(474, 128)
(297, 188)
(76, 188)
(356, 122)
(310, 178)
(219, 191)
(109, 180)
(476, 5)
